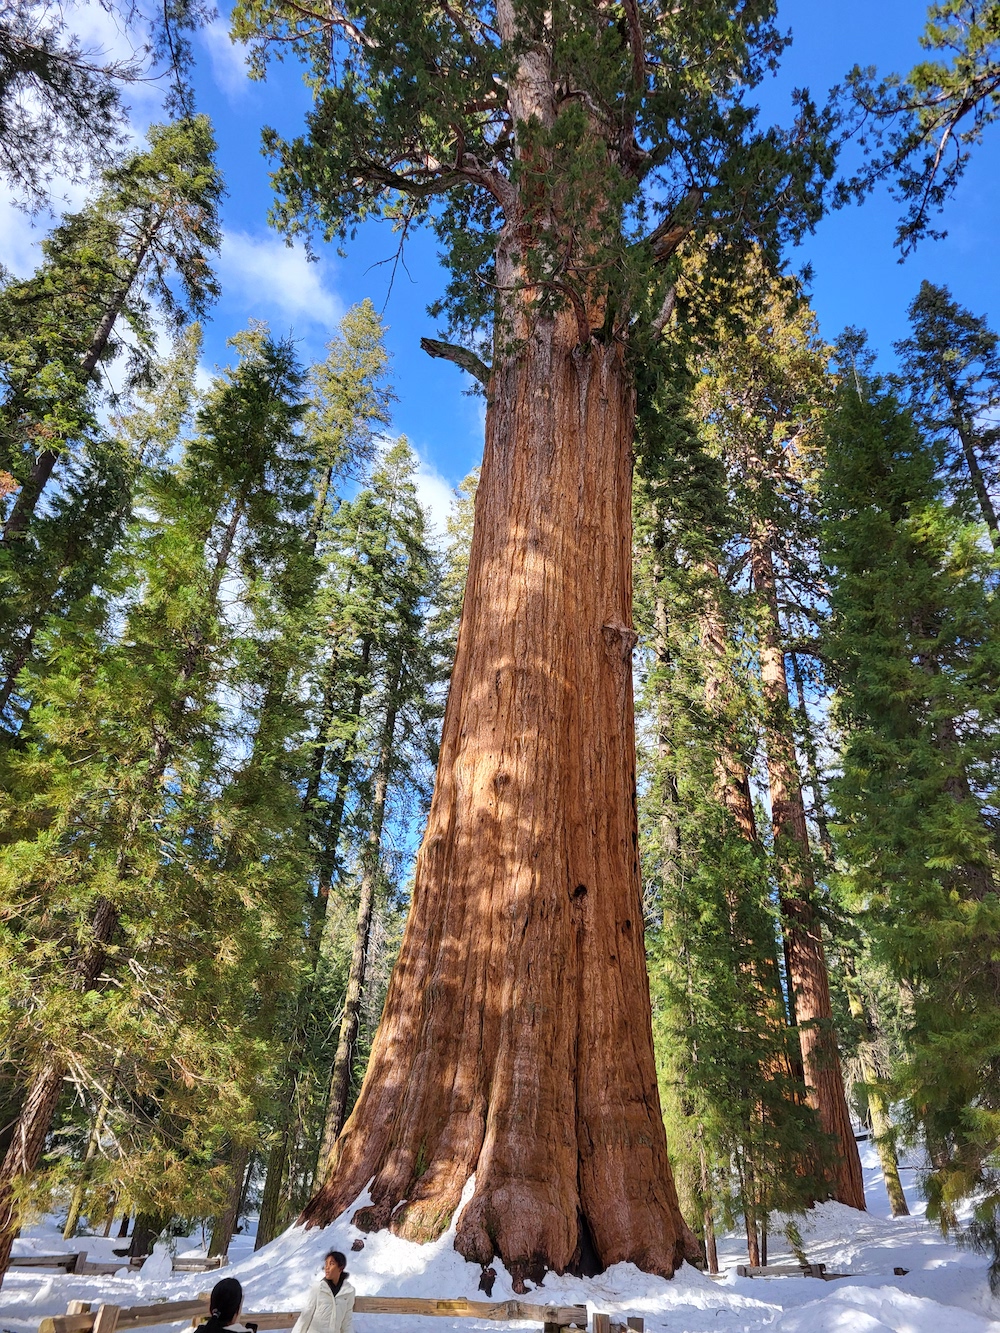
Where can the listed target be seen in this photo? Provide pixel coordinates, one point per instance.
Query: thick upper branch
(460, 356)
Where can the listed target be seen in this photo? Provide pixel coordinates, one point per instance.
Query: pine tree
(734, 1106)
(951, 369)
(146, 236)
(404, 674)
(76, 539)
(760, 398)
(922, 128)
(61, 108)
(562, 157)
(349, 398)
(914, 647)
(126, 848)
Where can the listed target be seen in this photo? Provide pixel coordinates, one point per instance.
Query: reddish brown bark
(516, 1041)
(808, 978)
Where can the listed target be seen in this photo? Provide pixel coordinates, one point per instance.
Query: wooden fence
(79, 1263)
(81, 1318)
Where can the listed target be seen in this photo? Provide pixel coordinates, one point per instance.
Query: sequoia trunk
(516, 1042)
(808, 979)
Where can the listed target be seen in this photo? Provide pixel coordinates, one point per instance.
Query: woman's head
(334, 1265)
(226, 1299)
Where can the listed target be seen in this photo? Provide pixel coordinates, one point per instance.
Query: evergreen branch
(807, 648)
(332, 18)
(460, 356)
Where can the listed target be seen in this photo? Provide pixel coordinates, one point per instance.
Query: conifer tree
(914, 646)
(403, 676)
(146, 236)
(951, 369)
(349, 399)
(61, 108)
(733, 1103)
(562, 157)
(76, 538)
(126, 938)
(760, 399)
(923, 127)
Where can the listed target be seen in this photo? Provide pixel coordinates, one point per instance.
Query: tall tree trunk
(668, 795)
(224, 1224)
(93, 1142)
(270, 1204)
(144, 1234)
(732, 779)
(516, 1041)
(708, 1219)
(340, 1081)
(277, 1158)
(807, 971)
(967, 437)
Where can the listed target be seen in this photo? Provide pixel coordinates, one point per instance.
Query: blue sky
(857, 277)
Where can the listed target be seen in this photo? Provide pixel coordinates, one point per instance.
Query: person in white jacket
(329, 1307)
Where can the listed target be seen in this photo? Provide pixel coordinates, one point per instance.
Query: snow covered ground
(945, 1291)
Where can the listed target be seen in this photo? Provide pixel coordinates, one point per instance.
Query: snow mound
(944, 1291)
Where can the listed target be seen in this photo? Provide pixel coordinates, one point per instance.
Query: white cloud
(228, 59)
(22, 236)
(436, 495)
(269, 278)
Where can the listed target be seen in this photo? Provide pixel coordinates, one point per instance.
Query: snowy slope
(945, 1291)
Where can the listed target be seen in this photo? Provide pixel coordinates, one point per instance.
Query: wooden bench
(788, 1270)
(71, 1263)
(80, 1317)
(781, 1270)
(195, 1264)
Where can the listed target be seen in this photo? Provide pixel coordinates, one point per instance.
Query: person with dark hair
(330, 1304)
(224, 1306)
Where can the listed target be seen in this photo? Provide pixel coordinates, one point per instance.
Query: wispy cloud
(435, 493)
(228, 59)
(270, 279)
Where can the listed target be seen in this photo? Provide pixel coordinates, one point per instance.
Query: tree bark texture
(808, 978)
(270, 1204)
(516, 1041)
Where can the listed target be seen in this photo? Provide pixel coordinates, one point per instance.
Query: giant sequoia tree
(562, 152)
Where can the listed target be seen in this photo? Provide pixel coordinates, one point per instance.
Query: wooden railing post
(107, 1318)
(602, 1323)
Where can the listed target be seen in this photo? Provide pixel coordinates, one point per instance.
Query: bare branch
(459, 356)
(678, 223)
(666, 310)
